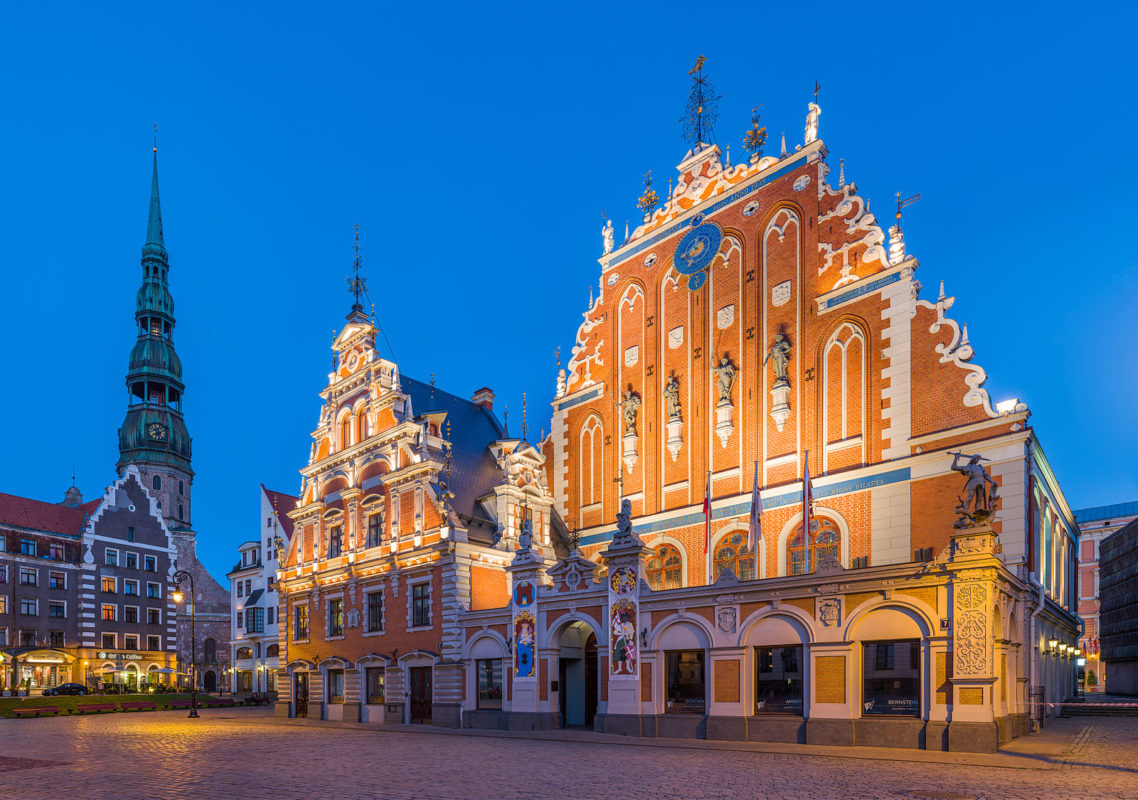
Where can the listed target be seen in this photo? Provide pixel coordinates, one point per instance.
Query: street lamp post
(180, 576)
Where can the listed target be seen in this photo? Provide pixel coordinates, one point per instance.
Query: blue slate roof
(473, 429)
(1107, 512)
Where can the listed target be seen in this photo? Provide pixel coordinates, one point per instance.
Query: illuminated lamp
(1054, 643)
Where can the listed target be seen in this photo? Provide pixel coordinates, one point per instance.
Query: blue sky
(476, 147)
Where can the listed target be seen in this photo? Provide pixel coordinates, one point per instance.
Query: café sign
(120, 656)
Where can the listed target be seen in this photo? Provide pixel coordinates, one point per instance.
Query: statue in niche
(812, 115)
(606, 234)
(672, 398)
(976, 493)
(725, 379)
(628, 409)
(780, 355)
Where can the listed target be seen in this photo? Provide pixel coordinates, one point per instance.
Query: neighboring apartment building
(1095, 524)
(1119, 613)
(253, 598)
(86, 589)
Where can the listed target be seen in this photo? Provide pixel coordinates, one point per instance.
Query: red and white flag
(807, 497)
(755, 528)
(707, 515)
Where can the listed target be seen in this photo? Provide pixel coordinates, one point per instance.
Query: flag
(807, 498)
(707, 515)
(754, 529)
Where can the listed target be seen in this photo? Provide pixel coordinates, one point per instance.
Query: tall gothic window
(665, 568)
(345, 432)
(803, 552)
(844, 389)
(361, 425)
(591, 469)
(732, 553)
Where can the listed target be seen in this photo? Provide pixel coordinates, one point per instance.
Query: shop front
(39, 668)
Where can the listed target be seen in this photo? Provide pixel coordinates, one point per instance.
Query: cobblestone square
(249, 754)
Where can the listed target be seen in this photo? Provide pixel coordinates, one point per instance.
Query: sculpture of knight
(977, 502)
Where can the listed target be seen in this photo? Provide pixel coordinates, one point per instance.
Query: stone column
(972, 595)
(625, 559)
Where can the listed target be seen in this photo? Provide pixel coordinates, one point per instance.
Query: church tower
(153, 435)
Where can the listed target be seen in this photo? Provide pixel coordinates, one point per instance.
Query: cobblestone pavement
(248, 754)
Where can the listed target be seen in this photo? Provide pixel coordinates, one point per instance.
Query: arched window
(361, 425)
(591, 468)
(732, 553)
(157, 482)
(844, 389)
(665, 568)
(825, 540)
(181, 488)
(272, 651)
(243, 653)
(210, 651)
(180, 511)
(345, 432)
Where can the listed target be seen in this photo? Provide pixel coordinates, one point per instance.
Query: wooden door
(420, 694)
(300, 693)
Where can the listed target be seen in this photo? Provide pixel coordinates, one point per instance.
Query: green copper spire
(155, 242)
(154, 433)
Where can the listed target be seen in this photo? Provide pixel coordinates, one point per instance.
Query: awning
(254, 597)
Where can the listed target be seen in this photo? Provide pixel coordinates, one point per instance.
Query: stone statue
(725, 379)
(976, 491)
(628, 410)
(606, 234)
(672, 398)
(624, 533)
(812, 122)
(525, 538)
(560, 382)
(780, 354)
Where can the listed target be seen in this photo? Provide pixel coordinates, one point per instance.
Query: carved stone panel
(972, 641)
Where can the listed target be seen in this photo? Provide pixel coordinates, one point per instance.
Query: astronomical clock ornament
(696, 251)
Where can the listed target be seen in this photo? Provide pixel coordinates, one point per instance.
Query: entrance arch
(577, 674)
(210, 681)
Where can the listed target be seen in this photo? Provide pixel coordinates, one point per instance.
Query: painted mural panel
(525, 625)
(623, 607)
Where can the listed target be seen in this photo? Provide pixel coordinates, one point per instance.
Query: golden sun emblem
(693, 252)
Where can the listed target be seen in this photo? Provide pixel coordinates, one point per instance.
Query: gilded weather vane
(646, 203)
(702, 108)
(357, 285)
(756, 136)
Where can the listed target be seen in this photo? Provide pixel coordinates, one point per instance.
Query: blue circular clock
(696, 281)
(698, 248)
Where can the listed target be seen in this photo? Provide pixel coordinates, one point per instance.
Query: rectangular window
(57, 580)
(375, 612)
(892, 678)
(108, 641)
(130, 587)
(29, 576)
(271, 615)
(3, 604)
(420, 605)
(55, 639)
(27, 638)
(335, 686)
(27, 547)
(299, 622)
(240, 588)
(255, 620)
(374, 529)
(153, 589)
(109, 585)
(130, 533)
(150, 563)
(153, 642)
(130, 641)
(57, 610)
(249, 586)
(778, 682)
(335, 541)
(376, 679)
(489, 682)
(685, 687)
(153, 616)
(3, 573)
(132, 560)
(110, 612)
(4, 637)
(130, 614)
(336, 617)
(111, 557)
(29, 607)
(55, 551)
(240, 618)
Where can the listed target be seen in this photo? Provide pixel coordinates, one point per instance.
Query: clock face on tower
(156, 431)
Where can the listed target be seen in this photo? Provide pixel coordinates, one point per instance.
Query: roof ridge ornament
(357, 284)
(702, 108)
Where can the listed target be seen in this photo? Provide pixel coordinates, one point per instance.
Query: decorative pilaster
(625, 559)
(524, 571)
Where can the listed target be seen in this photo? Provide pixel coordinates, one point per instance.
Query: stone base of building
(681, 726)
(487, 719)
(838, 732)
(282, 709)
(973, 737)
(625, 725)
(530, 721)
(776, 728)
(315, 710)
(446, 715)
(907, 733)
(730, 729)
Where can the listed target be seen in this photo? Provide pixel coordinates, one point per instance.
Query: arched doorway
(577, 675)
(210, 681)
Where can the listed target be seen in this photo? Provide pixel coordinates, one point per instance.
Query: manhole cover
(927, 795)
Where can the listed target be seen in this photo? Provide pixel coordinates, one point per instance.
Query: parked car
(66, 688)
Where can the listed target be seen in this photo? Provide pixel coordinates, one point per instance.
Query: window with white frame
(111, 557)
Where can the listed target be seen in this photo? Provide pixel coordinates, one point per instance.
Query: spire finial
(841, 172)
(783, 153)
(155, 137)
(154, 237)
(756, 136)
(357, 285)
(525, 425)
(505, 420)
(702, 108)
